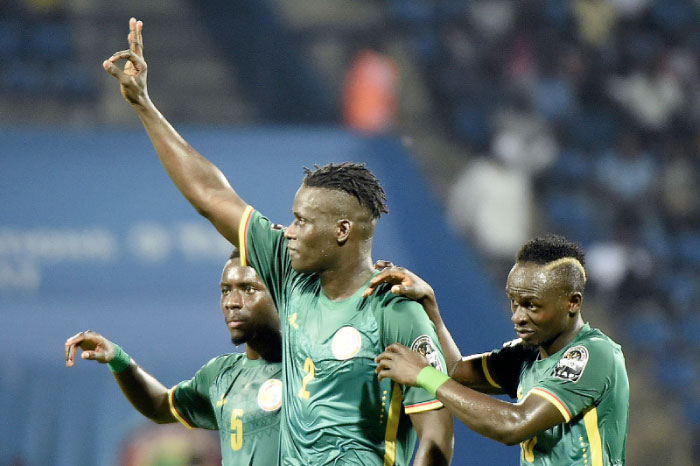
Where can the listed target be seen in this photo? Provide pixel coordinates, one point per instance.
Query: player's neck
(343, 281)
(562, 340)
(267, 347)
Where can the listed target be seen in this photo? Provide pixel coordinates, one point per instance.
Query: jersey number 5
(236, 429)
(310, 372)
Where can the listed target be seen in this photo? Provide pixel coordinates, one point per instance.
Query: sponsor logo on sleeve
(425, 346)
(572, 364)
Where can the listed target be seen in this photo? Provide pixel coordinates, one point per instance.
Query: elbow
(511, 432)
(508, 438)
(510, 441)
(161, 418)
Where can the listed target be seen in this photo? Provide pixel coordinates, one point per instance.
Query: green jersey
(335, 410)
(587, 382)
(241, 398)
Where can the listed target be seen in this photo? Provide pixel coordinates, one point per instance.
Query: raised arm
(144, 392)
(200, 181)
(508, 423)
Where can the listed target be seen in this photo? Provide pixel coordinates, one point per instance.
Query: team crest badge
(571, 366)
(270, 395)
(346, 343)
(425, 346)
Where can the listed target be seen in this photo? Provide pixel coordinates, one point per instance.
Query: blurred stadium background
(489, 121)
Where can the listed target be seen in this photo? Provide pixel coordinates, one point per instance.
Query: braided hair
(352, 178)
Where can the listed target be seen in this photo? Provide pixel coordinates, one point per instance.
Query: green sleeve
(191, 398)
(406, 322)
(582, 376)
(265, 250)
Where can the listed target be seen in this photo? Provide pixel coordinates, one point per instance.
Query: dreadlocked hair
(548, 248)
(353, 178)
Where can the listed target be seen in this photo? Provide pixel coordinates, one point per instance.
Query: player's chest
(331, 335)
(532, 375)
(248, 404)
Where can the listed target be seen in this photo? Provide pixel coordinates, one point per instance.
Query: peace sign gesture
(133, 77)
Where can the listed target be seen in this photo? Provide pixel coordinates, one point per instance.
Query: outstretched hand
(93, 345)
(400, 364)
(403, 281)
(133, 77)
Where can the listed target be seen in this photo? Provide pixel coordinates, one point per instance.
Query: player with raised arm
(569, 378)
(335, 410)
(239, 394)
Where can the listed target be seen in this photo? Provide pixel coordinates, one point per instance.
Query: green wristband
(121, 360)
(431, 379)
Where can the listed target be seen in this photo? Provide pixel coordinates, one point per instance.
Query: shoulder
(591, 356)
(394, 306)
(599, 345)
(220, 363)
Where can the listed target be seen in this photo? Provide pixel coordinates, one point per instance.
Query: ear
(342, 230)
(575, 301)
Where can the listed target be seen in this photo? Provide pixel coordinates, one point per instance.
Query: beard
(239, 340)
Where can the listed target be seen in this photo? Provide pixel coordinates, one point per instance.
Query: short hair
(558, 252)
(235, 254)
(548, 248)
(352, 178)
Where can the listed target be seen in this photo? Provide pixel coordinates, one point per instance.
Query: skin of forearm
(436, 439)
(449, 348)
(432, 455)
(197, 179)
(490, 417)
(145, 393)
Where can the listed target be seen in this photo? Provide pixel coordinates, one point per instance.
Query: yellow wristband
(431, 379)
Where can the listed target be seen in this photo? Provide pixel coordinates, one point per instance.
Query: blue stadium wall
(93, 235)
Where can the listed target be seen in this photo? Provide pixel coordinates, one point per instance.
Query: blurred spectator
(523, 141)
(627, 172)
(595, 103)
(370, 92)
(493, 204)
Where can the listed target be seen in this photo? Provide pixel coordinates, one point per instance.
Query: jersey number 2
(310, 372)
(236, 429)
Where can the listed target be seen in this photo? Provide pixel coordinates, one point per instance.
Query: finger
(383, 264)
(139, 36)
(93, 355)
(383, 374)
(382, 357)
(114, 70)
(393, 348)
(383, 277)
(70, 354)
(135, 59)
(135, 44)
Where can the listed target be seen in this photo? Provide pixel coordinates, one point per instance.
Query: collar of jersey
(585, 329)
(326, 301)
